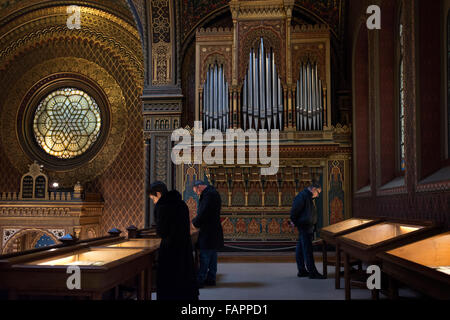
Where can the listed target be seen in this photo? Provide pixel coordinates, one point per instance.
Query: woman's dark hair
(315, 184)
(157, 186)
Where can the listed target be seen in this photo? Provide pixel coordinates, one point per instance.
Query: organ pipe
(210, 105)
(216, 111)
(263, 95)
(275, 93)
(309, 99)
(250, 88)
(244, 104)
(256, 83)
(262, 85)
(269, 89)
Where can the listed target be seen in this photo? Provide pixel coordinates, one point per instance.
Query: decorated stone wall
(107, 54)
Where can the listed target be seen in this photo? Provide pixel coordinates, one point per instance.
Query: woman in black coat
(176, 275)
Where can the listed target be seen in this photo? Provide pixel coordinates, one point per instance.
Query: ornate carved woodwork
(28, 222)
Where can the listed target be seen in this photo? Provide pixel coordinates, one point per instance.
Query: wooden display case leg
(337, 271)
(375, 294)
(324, 259)
(145, 284)
(148, 283)
(347, 277)
(140, 295)
(393, 289)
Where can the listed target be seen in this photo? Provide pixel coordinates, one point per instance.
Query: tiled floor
(272, 281)
(275, 281)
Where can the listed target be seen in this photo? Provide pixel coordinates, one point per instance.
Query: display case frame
(7, 259)
(329, 238)
(150, 233)
(137, 243)
(368, 253)
(21, 278)
(424, 279)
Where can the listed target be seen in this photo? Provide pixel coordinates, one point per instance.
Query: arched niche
(34, 184)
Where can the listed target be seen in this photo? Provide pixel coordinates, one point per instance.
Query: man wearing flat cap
(210, 237)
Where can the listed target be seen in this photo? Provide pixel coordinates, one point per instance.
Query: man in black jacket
(210, 237)
(176, 278)
(304, 217)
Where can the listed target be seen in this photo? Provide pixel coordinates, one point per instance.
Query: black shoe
(302, 274)
(200, 284)
(210, 282)
(316, 275)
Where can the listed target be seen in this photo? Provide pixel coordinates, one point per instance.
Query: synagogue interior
(352, 95)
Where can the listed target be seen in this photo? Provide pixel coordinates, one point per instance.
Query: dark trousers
(304, 251)
(208, 265)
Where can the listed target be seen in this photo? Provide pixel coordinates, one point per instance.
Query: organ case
(253, 89)
(265, 73)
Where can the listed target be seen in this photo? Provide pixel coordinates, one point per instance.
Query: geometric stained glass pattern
(66, 123)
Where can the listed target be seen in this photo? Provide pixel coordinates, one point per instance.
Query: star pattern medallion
(67, 123)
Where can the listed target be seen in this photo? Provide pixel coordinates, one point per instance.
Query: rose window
(67, 123)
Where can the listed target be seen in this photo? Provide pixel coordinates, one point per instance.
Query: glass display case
(423, 265)
(365, 244)
(93, 257)
(102, 270)
(433, 252)
(137, 243)
(381, 232)
(345, 225)
(329, 235)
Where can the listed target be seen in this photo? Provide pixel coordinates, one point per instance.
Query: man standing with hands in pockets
(304, 217)
(210, 237)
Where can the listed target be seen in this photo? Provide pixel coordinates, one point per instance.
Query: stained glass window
(67, 123)
(401, 101)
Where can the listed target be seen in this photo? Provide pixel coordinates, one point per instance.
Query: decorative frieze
(10, 210)
(162, 107)
(161, 41)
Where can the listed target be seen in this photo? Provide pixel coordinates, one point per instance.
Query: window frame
(26, 118)
(42, 108)
(447, 82)
(399, 98)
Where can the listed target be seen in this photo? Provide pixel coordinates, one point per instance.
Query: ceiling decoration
(74, 65)
(10, 9)
(192, 11)
(330, 12)
(37, 45)
(46, 24)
